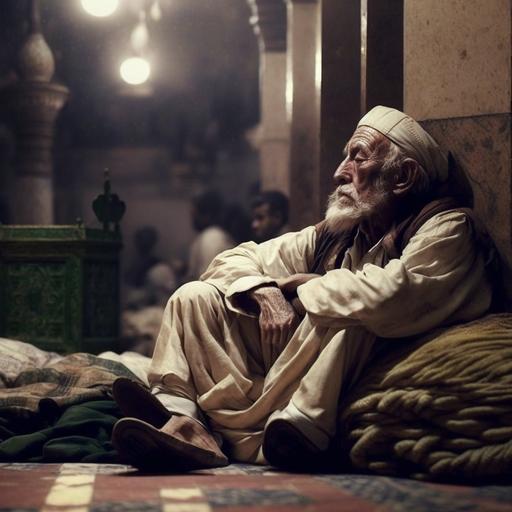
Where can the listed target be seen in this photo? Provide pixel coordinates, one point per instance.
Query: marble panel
(457, 57)
(482, 146)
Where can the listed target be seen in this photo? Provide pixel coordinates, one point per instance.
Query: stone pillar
(457, 80)
(381, 54)
(269, 22)
(33, 104)
(340, 85)
(303, 103)
(322, 89)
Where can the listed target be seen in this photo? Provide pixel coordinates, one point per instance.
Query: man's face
(265, 224)
(360, 191)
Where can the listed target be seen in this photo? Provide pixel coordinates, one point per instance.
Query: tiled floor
(236, 488)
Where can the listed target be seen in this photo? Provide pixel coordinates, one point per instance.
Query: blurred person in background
(269, 215)
(212, 238)
(237, 223)
(150, 282)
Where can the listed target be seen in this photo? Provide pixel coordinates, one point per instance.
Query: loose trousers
(208, 364)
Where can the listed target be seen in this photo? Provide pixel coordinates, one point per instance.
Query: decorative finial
(108, 207)
(35, 59)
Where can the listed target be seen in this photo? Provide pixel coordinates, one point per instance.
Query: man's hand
(289, 285)
(277, 320)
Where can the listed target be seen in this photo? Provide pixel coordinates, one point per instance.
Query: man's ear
(406, 177)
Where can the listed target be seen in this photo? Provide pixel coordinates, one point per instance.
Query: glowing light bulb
(135, 70)
(155, 11)
(100, 8)
(140, 36)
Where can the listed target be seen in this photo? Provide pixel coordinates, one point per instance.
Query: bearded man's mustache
(342, 215)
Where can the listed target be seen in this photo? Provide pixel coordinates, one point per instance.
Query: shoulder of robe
(399, 236)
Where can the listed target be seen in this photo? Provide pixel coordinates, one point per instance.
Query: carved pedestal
(59, 287)
(34, 107)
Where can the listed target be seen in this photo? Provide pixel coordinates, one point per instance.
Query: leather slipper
(146, 447)
(136, 401)
(285, 446)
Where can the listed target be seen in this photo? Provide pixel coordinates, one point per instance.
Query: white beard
(344, 213)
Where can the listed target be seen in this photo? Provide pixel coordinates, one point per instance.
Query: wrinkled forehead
(368, 138)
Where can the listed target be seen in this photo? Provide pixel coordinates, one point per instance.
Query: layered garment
(208, 361)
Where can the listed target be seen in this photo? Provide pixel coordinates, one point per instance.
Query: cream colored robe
(208, 350)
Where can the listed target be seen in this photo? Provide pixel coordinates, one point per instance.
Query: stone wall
(457, 81)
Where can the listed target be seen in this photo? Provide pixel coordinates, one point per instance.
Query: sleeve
(439, 277)
(248, 265)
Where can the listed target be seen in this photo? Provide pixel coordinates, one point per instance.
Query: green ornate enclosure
(59, 287)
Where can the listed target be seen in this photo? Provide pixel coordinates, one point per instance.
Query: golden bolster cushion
(438, 409)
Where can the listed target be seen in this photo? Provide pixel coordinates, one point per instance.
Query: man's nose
(342, 174)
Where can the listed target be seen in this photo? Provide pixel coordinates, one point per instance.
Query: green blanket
(80, 434)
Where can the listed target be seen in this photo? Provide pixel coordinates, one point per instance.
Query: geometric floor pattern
(236, 488)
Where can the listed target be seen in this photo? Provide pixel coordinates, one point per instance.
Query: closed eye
(357, 153)
(358, 156)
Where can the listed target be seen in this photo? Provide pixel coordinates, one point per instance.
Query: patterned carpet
(237, 488)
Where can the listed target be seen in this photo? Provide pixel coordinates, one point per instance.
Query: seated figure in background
(251, 362)
(145, 239)
(150, 282)
(211, 239)
(149, 279)
(269, 215)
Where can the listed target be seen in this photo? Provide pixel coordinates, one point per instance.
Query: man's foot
(286, 447)
(182, 444)
(136, 401)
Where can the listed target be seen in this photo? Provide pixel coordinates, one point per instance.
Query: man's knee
(197, 291)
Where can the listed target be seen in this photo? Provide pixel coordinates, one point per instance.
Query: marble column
(457, 81)
(303, 105)
(33, 104)
(269, 22)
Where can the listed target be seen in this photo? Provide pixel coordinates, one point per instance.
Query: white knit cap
(410, 137)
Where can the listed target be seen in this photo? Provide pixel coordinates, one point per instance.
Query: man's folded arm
(439, 274)
(249, 265)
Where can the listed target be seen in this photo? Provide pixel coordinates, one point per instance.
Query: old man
(251, 361)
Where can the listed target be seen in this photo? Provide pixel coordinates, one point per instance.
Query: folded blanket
(71, 380)
(17, 356)
(437, 410)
